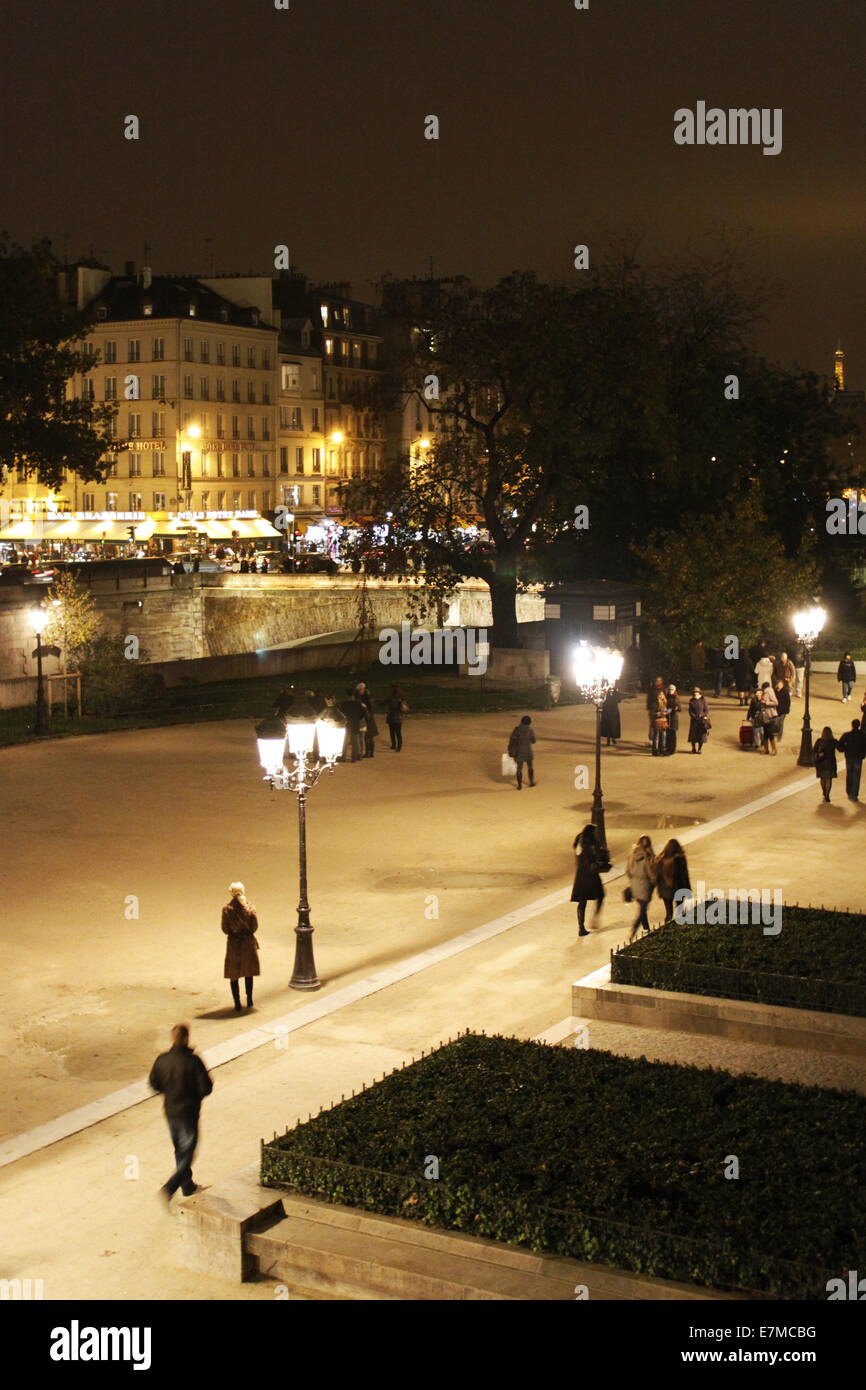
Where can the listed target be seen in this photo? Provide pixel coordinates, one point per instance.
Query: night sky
(261, 126)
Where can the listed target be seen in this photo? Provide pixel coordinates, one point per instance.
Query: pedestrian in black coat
(744, 671)
(371, 728)
(699, 720)
(846, 674)
(520, 743)
(674, 708)
(824, 758)
(783, 700)
(853, 745)
(355, 715)
(182, 1079)
(611, 724)
(592, 862)
(396, 709)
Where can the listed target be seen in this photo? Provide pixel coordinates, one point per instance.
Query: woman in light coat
(240, 924)
(642, 876)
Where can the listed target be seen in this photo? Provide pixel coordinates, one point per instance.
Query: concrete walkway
(385, 836)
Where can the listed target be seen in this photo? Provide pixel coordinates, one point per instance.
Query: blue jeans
(183, 1129)
(847, 687)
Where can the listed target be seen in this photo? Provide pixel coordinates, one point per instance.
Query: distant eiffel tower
(352, 654)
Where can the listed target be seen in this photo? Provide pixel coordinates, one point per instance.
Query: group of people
(647, 872)
(357, 708)
(664, 708)
(852, 746)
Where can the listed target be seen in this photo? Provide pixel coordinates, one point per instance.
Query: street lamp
(38, 621)
(312, 744)
(596, 672)
(808, 625)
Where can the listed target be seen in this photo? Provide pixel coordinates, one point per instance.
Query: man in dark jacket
(520, 749)
(182, 1079)
(356, 719)
(783, 698)
(853, 745)
(846, 674)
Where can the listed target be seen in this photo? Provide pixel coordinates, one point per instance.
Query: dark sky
(261, 126)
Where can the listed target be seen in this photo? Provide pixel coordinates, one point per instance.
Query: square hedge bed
(601, 1158)
(817, 961)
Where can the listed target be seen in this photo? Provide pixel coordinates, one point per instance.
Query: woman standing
(699, 720)
(611, 724)
(824, 758)
(641, 872)
(674, 708)
(592, 862)
(672, 871)
(240, 924)
(769, 718)
(371, 732)
(396, 708)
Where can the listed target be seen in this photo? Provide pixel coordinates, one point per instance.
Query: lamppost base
(310, 985)
(304, 973)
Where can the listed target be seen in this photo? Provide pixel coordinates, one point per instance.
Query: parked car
(315, 562)
(279, 561)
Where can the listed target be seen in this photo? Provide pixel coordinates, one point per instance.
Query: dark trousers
(671, 742)
(641, 920)
(853, 769)
(396, 732)
(236, 990)
(369, 745)
(717, 682)
(183, 1129)
(530, 770)
(354, 737)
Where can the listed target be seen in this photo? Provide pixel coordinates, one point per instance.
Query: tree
(710, 581)
(73, 621)
(40, 350)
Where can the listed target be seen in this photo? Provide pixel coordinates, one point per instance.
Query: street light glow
(38, 620)
(337, 437)
(809, 623)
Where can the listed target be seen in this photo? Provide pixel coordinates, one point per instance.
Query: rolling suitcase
(747, 736)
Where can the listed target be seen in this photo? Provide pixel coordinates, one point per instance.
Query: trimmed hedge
(601, 1158)
(817, 961)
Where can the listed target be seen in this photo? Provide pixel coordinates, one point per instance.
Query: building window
(157, 387)
(329, 347)
(317, 495)
(204, 351)
(251, 357)
(205, 501)
(317, 460)
(134, 427)
(315, 422)
(290, 376)
(236, 391)
(284, 417)
(135, 502)
(266, 359)
(299, 459)
(221, 465)
(88, 500)
(159, 501)
(266, 393)
(236, 355)
(192, 311)
(205, 465)
(323, 308)
(236, 429)
(157, 424)
(187, 349)
(221, 354)
(251, 465)
(187, 387)
(297, 418)
(147, 308)
(266, 427)
(284, 460)
(356, 354)
(87, 390)
(236, 469)
(133, 350)
(251, 500)
(111, 388)
(159, 465)
(251, 392)
(220, 389)
(251, 427)
(134, 467)
(204, 389)
(266, 465)
(221, 502)
(221, 428)
(157, 349)
(110, 356)
(314, 380)
(111, 501)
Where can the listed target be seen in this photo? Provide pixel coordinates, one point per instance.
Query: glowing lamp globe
(271, 739)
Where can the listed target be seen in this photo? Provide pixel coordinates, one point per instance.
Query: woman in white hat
(240, 924)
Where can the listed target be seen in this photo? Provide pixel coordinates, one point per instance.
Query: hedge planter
(604, 1159)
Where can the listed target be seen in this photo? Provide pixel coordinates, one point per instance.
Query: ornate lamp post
(808, 625)
(596, 671)
(311, 744)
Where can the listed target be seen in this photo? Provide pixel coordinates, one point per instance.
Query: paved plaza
(169, 817)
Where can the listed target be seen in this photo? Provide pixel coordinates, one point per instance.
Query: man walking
(182, 1079)
(853, 745)
(520, 749)
(356, 720)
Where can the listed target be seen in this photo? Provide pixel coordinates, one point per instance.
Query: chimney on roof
(146, 277)
(129, 269)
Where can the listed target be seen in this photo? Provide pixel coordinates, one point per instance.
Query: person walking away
(801, 656)
(699, 720)
(846, 674)
(520, 749)
(371, 728)
(824, 758)
(744, 672)
(355, 715)
(611, 724)
(672, 874)
(240, 924)
(764, 669)
(769, 718)
(592, 862)
(396, 710)
(674, 708)
(853, 745)
(783, 702)
(755, 716)
(641, 873)
(181, 1078)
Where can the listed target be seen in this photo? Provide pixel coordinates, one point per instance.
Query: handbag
(627, 895)
(509, 766)
(660, 721)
